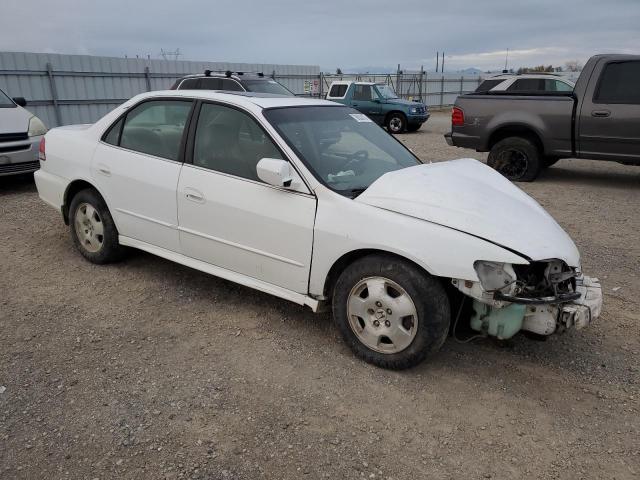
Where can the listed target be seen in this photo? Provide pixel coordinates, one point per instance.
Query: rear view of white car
(312, 202)
(20, 134)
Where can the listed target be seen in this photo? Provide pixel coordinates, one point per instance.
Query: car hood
(469, 196)
(14, 120)
(402, 101)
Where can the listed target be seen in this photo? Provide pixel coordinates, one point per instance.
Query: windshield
(5, 101)
(386, 91)
(266, 86)
(342, 147)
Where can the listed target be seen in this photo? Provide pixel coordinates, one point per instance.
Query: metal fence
(68, 89)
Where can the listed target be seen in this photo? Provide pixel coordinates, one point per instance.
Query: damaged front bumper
(502, 315)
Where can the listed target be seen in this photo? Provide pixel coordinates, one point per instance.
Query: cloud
(331, 33)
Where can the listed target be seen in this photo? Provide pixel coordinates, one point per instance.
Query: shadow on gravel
(13, 184)
(574, 174)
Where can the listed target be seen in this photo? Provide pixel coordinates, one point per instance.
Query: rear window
(488, 85)
(338, 90)
(619, 83)
(189, 84)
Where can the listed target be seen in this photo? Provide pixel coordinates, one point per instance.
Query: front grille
(23, 167)
(15, 148)
(421, 109)
(13, 137)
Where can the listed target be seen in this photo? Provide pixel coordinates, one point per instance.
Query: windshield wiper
(354, 192)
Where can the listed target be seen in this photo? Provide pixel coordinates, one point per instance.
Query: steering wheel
(355, 158)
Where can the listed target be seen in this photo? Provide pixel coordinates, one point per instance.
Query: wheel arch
(72, 190)
(391, 112)
(348, 258)
(515, 130)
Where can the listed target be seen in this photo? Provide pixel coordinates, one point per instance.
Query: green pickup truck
(381, 104)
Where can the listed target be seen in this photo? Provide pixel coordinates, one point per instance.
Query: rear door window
(619, 83)
(231, 85)
(210, 83)
(156, 128)
(527, 85)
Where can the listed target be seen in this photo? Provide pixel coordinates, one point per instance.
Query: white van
(20, 135)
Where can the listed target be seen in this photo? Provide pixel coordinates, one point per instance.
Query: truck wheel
(516, 158)
(92, 229)
(390, 313)
(413, 127)
(396, 122)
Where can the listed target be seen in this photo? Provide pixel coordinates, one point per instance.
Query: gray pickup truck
(525, 132)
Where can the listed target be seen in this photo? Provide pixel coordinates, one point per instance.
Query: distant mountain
(471, 71)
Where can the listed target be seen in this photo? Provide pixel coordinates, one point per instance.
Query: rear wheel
(92, 229)
(396, 122)
(389, 312)
(517, 158)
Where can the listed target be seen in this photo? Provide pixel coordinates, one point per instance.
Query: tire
(92, 229)
(369, 291)
(548, 161)
(413, 127)
(396, 122)
(517, 158)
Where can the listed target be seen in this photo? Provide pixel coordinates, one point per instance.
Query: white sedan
(310, 201)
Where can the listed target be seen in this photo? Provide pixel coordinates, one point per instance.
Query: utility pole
(442, 66)
(506, 60)
(437, 61)
(170, 55)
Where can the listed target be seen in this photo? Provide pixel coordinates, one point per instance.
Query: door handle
(194, 195)
(600, 113)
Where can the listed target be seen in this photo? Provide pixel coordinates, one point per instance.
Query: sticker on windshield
(360, 117)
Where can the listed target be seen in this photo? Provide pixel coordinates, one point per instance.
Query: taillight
(457, 117)
(41, 151)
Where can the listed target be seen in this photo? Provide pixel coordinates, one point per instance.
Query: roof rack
(228, 73)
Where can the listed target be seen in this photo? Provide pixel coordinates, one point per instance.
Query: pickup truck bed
(526, 132)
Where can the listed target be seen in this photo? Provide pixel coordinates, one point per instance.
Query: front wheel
(396, 123)
(389, 312)
(517, 158)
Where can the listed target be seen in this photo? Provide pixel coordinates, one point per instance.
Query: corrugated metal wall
(68, 89)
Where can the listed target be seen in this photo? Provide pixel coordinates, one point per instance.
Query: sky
(349, 34)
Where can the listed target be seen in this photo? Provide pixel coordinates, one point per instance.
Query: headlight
(494, 275)
(36, 127)
(413, 110)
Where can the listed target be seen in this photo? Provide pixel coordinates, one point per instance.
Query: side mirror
(20, 101)
(275, 172)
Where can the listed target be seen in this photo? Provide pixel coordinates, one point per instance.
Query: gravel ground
(147, 369)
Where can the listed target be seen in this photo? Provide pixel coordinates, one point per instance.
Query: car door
(364, 100)
(231, 219)
(609, 121)
(136, 167)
